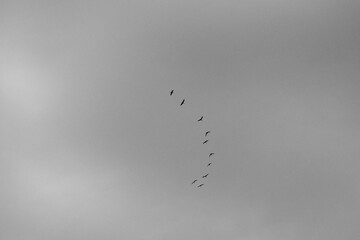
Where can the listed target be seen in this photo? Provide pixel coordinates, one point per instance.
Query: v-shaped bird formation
(204, 142)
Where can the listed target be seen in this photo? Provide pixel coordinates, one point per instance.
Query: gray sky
(93, 147)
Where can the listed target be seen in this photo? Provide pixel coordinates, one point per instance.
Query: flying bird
(211, 154)
(194, 181)
(201, 185)
(200, 119)
(205, 175)
(209, 164)
(172, 91)
(207, 133)
(182, 102)
(205, 141)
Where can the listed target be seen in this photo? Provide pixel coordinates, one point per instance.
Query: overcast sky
(93, 147)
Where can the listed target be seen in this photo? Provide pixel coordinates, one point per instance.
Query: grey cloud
(92, 145)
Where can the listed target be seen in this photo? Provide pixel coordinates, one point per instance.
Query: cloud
(94, 146)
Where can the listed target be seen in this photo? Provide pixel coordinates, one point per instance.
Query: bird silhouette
(207, 133)
(205, 141)
(209, 164)
(172, 91)
(200, 119)
(211, 154)
(194, 181)
(201, 185)
(182, 102)
(205, 175)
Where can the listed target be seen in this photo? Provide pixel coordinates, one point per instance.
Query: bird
(207, 133)
(182, 102)
(201, 185)
(205, 175)
(205, 141)
(200, 119)
(211, 154)
(194, 181)
(209, 164)
(172, 91)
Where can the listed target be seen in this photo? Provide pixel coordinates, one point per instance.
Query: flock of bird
(204, 142)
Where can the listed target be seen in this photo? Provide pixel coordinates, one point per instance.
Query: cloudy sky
(93, 147)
